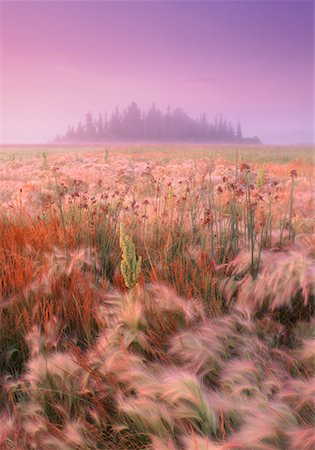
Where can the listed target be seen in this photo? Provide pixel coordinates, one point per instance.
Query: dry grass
(211, 348)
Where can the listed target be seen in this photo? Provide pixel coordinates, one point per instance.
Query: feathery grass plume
(199, 350)
(148, 416)
(265, 428)
(191, 404)
(143, 320)
(39, 342)
(129, 323)
(132, 372)
(302, 437)
(306, 354)
(162, 444)
(195, 442)
(241, 377)
(172, 311)
(284, 276)
(130, 265)
(75, 434)
(299, 394)
(9, 432)
(82, 258)
(286, 280)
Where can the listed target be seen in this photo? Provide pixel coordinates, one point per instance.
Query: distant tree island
(133, 124)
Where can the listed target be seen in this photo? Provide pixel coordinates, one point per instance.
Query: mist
(250, 61)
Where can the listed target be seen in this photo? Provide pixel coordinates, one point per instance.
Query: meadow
(157, 297)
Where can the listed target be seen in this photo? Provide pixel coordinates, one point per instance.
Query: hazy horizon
(251, 61)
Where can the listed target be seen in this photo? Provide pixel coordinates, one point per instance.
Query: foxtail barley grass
(157, 304)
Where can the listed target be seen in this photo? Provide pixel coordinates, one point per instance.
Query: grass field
(248, 153)
(157, 297)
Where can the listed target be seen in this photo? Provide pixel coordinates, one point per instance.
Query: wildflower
(244, 167)
(219, 190)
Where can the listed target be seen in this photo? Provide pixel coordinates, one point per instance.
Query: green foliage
(261, 177)
(130, 265)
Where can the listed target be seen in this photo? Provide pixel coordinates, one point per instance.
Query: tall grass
(190, 327)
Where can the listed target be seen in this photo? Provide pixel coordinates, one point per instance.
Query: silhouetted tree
(80, 131)
(100, 126)
(114, 128)
(131, 124)
(153, 123)
(134, 124)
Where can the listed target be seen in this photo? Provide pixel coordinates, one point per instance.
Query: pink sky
(252, 61)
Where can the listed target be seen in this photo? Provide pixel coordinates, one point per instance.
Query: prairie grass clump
(285, 282)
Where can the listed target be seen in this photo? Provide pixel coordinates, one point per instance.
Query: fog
(250, 61)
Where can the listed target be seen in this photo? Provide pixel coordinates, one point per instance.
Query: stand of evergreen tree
(133, 124)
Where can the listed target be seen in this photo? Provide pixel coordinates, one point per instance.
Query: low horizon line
(128, 142)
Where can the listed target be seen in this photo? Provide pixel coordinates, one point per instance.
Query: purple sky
(250, 60)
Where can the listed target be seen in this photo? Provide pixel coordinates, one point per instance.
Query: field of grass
(157, 297)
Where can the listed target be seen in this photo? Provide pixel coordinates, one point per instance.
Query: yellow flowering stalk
(130, 265)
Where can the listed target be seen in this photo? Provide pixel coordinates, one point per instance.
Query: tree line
(153, 125)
